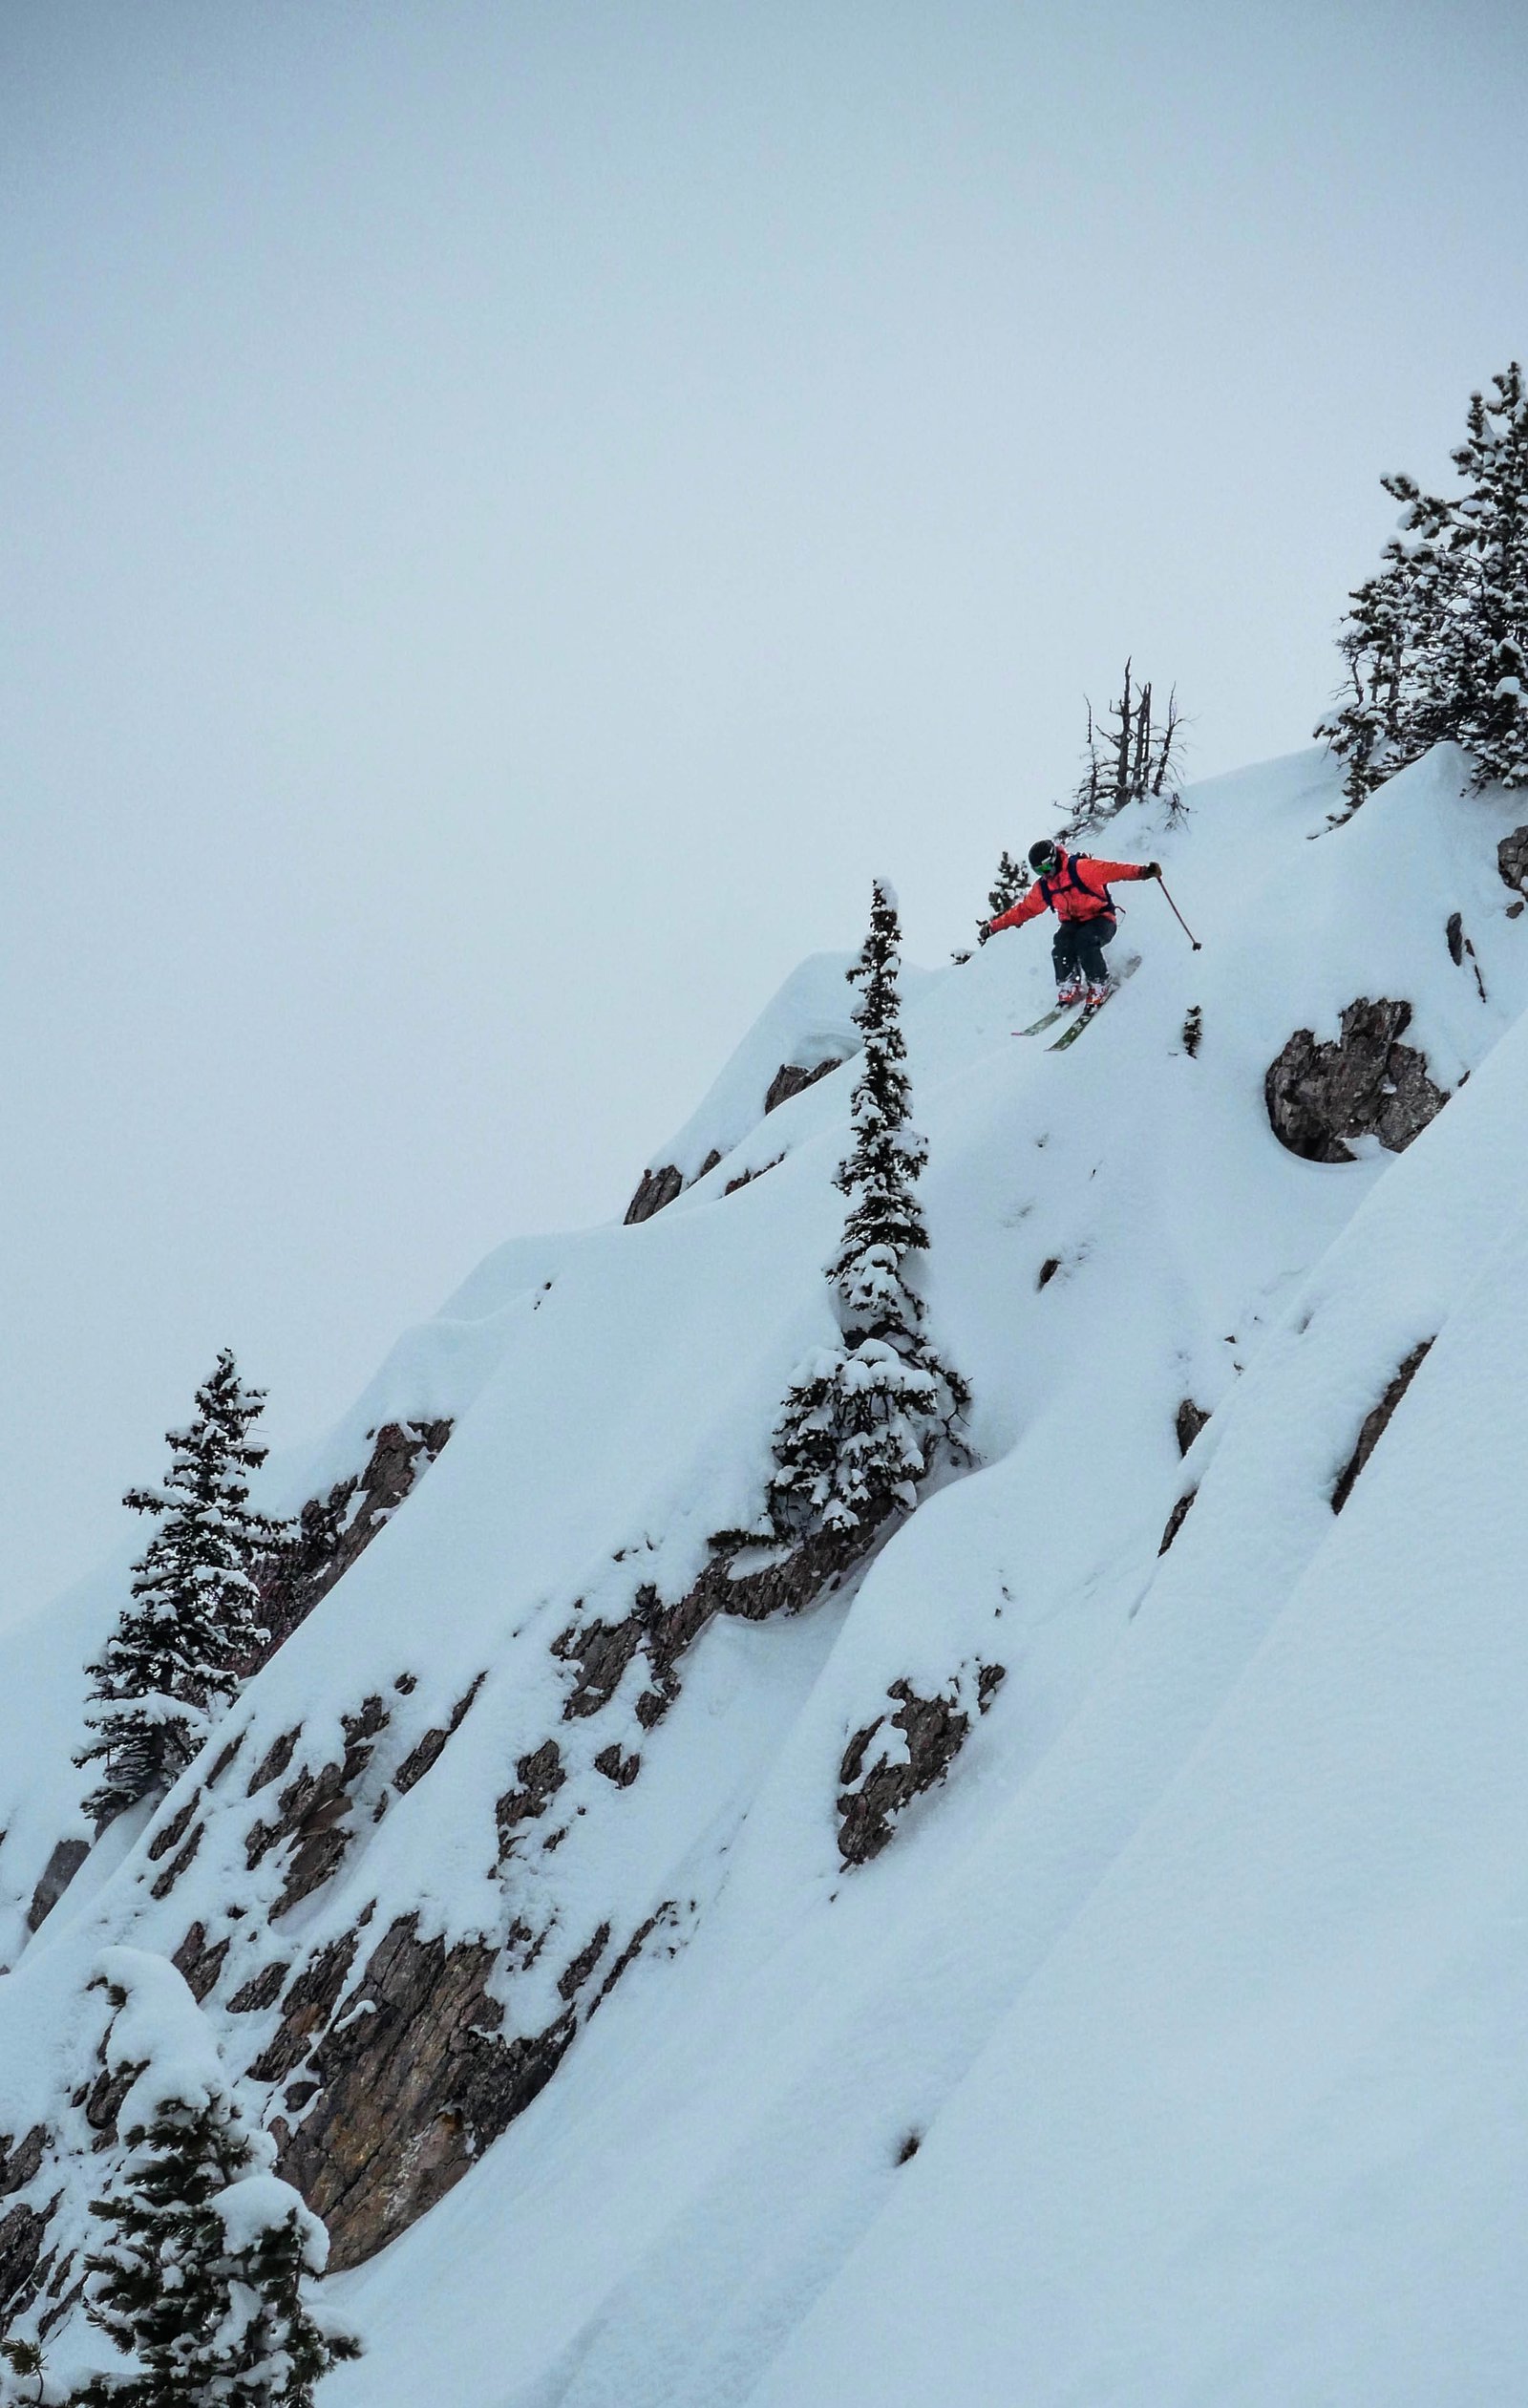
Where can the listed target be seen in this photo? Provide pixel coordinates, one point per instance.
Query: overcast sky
(513, 513)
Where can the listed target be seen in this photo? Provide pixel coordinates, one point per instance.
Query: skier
(1076, 887)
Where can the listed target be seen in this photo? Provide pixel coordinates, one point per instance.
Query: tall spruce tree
(177, 1654)
(1436, 644)
(866, 1420)
(204, 2269)
(1481, 658)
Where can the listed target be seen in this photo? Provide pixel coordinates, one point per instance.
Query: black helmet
(1045, 857)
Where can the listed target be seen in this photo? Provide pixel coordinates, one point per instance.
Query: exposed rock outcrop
(923, 1737)
(419, 1759)
(1366, 1083)
(1189, 1422)
(1377, 1422)
(57, 1874)
(1512, 861)
(662, 1185)
(24, 2227)
(746, 1178)
(1177, 1519)
(410, 2086)
(541, 1774)
(334, 1531)
(200, 1960)
(783, 1583)
(655, 1189)
(312, 1812)
(790, 1079)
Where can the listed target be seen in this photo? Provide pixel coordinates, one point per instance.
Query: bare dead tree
(1128, 756)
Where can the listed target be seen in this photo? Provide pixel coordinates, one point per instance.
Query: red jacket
(1078, 891)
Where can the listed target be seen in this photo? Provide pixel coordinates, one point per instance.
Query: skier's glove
(984, 930)
(1153, 869)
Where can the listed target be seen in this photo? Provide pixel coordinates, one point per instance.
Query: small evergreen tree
(178, 1653)
(1010, 886)
(206, 2263)
(865, 1421)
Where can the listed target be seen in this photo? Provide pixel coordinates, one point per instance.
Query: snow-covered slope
(1163, 2055)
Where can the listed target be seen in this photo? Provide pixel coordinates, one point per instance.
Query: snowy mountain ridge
(1159, 2048)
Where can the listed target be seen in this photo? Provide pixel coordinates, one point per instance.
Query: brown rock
(791, 1081)
(746, 1178)
(275, 1760)
(665, 1914)
(1512, 859)
(411, 2090)
(200, 1964)
(57, 1874)
(21, 2160)
(540, 1776)
(1377, 1422)
(175, 1830)
(418, 1763)
(311, 2002)
(261, 1991)
(312, 1812)
(23, 2231)
(1190, 1421)
(571, 1981)
(655, 1189)
(334, 1531)
(602, 1650)
(1177, 1519)
(617, 1766)
(1366, 1084)
(177, 1864)
(875, 1795)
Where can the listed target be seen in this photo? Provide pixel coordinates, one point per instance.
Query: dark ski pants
(1077, 949)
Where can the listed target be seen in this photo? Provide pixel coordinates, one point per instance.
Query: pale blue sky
(512, 513)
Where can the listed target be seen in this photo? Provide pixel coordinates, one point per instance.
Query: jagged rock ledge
(661, 1187)
(1364, 1083)
(931, 1733)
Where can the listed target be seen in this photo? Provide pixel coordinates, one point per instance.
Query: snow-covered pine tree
(1483, 662)
(1436, 644)
(1372, 727)
(178, 1653)
(204, 2270)
(866, 1420)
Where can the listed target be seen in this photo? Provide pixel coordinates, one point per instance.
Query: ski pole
(1178, 917)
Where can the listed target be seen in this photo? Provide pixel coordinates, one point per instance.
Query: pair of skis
(1088, 1011)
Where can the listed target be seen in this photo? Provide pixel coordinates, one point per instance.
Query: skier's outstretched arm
(1114, 871)
(1028, 908)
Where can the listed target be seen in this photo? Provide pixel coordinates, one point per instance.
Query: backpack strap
(1071, 881)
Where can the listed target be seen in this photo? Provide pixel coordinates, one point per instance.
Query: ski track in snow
(1201, 1981)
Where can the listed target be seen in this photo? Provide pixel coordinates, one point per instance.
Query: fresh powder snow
(1170, 2053)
